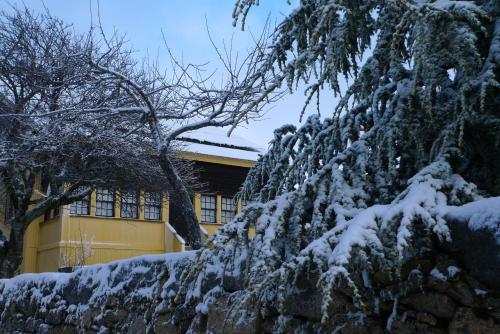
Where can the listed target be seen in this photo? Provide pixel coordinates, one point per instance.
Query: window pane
(152, 206)
(228, 209)
(105, 202)
(130, 204)
(208, 209)
(81, 207)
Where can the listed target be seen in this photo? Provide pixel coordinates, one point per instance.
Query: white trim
(176, 235)
(205, 232)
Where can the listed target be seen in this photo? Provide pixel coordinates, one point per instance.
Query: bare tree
(183, 99)
(83, 110)
(52, 123)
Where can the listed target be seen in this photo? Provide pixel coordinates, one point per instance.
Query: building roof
(215, 142)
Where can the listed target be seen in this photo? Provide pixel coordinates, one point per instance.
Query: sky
(184, 25)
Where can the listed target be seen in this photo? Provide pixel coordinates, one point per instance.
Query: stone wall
(119, 297)
(436, 298)
(130, 297)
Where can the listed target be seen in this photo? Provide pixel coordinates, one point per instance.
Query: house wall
(48, 251)
(67, 239)
(220, 176)
(30, 246)
(109, 239)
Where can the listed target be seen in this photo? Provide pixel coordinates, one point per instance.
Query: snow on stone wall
(434, 293)
(120, 295)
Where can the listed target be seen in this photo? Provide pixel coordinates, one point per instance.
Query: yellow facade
(72, 240)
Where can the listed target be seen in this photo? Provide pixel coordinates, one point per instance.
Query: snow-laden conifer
(368, 188)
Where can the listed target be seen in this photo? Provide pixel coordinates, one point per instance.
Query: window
(81, 207)
(130, 204)
(208, 209)
(152, 206)
(228, 209)
(105, 202)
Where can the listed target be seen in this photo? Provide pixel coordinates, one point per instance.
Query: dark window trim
(76, 203)
(137, 204)
(159, 206)
(225, 211)
(113, 201)
(209, 209)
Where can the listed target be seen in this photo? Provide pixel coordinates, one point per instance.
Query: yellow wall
(84, 240)
(30, 246)
(31, 236)
(66, 240)
(110, 238)
(49, 251)
(69, 240)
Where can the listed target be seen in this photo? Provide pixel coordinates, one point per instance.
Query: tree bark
(11, 255)
(188, 227)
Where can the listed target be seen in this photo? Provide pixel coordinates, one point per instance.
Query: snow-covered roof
(215, 142)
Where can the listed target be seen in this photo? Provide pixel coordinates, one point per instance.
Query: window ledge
(119, 218)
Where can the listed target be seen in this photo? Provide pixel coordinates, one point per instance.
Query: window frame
(228, 213)
(112, 192)
(205, 210)
(76, 206)
(123, 196)
(159, 205)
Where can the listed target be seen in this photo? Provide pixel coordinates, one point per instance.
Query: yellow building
(110, 225)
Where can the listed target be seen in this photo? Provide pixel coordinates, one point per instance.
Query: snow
(422, 199)
(438, 275)
(393, 315)
(452, 73)
(202, 308)
(447, 4)
(219, 151)
(483, 214)
(7, 285)
(176, 235)
(330, 201)
(214, 141)
(139, 275)
(453, 271)
(219, 136)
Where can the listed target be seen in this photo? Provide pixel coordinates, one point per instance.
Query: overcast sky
(184, 25)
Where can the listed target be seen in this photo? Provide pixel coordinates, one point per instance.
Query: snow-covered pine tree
(333, 201)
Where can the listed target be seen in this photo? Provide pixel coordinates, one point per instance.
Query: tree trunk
(188, 226)
(11, 255)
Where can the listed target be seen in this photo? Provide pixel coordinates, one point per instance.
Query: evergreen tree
(367, 189)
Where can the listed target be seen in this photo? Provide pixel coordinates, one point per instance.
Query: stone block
(437, 304)
(466, 322)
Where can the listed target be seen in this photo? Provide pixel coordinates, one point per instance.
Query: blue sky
(184, 25)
